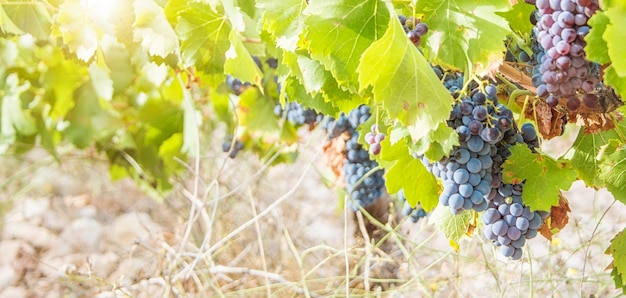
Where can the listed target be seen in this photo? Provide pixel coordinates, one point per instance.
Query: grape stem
(513, 98)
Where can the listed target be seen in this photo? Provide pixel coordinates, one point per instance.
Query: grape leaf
(596, 48)
(404, 82)
(452, 226)
(617, 279)
(239, 62)
(615, 36)
(543, 176)
(205, 37)
(408, 173)
(101, 82)
(13, 119)
(172, 9)
(613, 168)
(88, 121)
(617, 249)
(6, 24)
(613, 79)
(256, 112)
(76, 29)
(292, 87)
(586, 150)
(153, 30)
(318, 81)
(284, 21)
(339, 31)
(30, 16)
(519, 17)
(437, 143)
(61, 79)
(464, 34)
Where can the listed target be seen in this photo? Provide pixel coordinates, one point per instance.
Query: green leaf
(543, 177)
(519, 17)
(173, 8)
(339, 31)
(404, 82)
(101, 82)
(324, 93)
(596, 48)
(6, 24)
(118, 61)
(171, 150)
(615, 35)
(464, 34)
(452, 226)
(410, 174)
(284, 21)
(30, 16)
(14, 120)
(613, 168)
(153, 30)
(613, 79)
(587, 148)
(256, 113)
(76, 29)
(88, 121)
(239, 62)
(294, 89)
(437, 143)
(205, 37)
(617, 249)
(62, 78)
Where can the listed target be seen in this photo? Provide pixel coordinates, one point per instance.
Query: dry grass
(240, 228)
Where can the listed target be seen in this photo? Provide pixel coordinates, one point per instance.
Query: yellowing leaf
(453, 226)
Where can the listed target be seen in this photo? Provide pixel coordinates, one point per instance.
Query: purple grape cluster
(227, 146)
(508, 222)
(482, 125)
(565, 72)
(363, 188)
(373, 138)
(471, 176)
(297, 114)
(415, 214)
(413, 28)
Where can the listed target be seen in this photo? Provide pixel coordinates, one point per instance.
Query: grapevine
(443, 104)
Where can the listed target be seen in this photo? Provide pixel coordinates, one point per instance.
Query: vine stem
(595, 229)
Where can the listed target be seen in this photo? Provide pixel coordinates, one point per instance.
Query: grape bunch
(227, 146)
(235, 85)
(297, 114)
(363, 187)
(335, 127)
(415, 214)
(565, 72)
(373, 138)
(413, 28)
(508, 222)
(482, 125)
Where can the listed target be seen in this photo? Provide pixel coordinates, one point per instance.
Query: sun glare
(105, 9)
